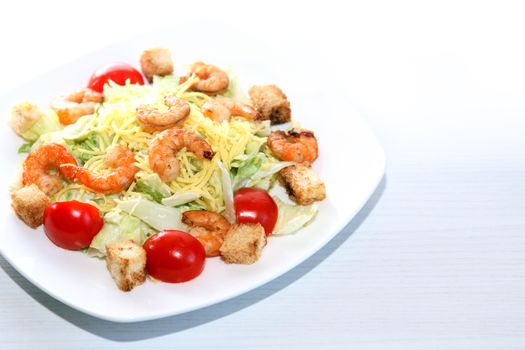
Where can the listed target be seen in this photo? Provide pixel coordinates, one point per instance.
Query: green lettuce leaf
(227, 190)
(118, 227)
(156, 215)
(190, 206)
(152, 185)
(52, 137)
(81, 129)
(250, 168)
(166, 83)
(264, 128)
(25, 148)
(90, 143)
(264, 176)
(141, 186)
(252, 150)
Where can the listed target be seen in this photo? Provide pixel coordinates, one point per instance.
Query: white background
(435, 260)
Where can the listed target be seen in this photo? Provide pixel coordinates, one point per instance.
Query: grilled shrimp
(208, 227)
(151, 119)
(223, 109)
(212, 79)
(297, 146)
(77, 104)
(44, 158)
(122, 161)
(164, 147)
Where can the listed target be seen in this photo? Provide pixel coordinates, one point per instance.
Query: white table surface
(436, 258)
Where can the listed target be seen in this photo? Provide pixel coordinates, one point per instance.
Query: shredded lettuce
(141, 186)
(90, 144)
(25, 148)
(291, 217)
(51, 137)
(190, 206)
(78, 195)
(155, 183)
(271, 169)
(264, 128)
(166, 83)
(80, 129)
(227, 190)
(249, 163)
(250, 167)
(47, 123)
(247, 170)
(251, 150)
(118, 227)
(156, 215)
(152, 185)
(263, 177)
(256, 167)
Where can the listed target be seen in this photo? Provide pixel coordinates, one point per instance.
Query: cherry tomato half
(174, 256)
(253, 205)
(72, 225)
(118, 72)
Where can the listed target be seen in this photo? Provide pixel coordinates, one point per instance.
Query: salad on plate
(156, 172)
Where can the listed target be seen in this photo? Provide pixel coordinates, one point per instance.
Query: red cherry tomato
(72, 225)
(253, 205)
(118, 72)
(174, 256)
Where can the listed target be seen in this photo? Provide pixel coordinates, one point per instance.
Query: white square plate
(351, 163)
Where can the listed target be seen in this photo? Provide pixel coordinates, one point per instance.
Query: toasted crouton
(243, 244)
(303, 184)
(271, 102)
(156, 62)
(126, 262)
(23, 116)
(29, 204)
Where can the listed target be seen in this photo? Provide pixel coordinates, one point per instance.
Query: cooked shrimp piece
(223, 109)
(77, 104)
(44, 165)
(152, 119)
(212, 79)
(208, 227)
(156, 62)
(164, 147)
(296, 146)
(122, 162)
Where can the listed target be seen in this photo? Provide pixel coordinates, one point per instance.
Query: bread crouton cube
(271, 103)
(243, 244)
(29, 204)
(126, 262)
(156, 62)
(23, 116)
(303, 184)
